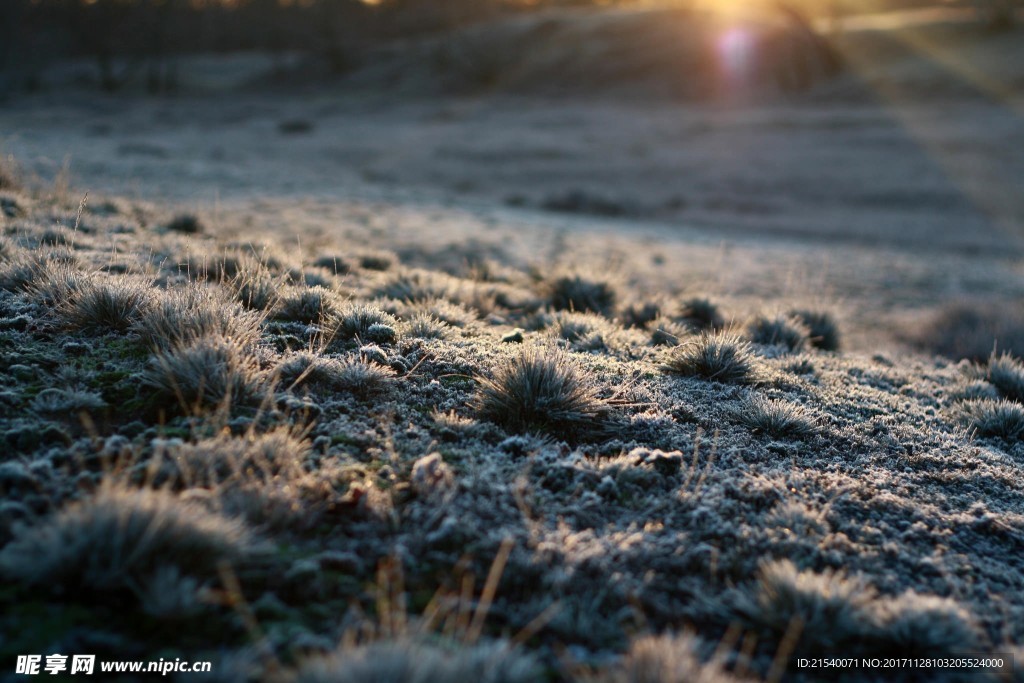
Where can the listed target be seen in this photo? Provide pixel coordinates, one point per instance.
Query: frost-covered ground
(840, 203)
(351, 430)
(321, 386)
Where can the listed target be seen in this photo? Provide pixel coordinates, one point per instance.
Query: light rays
(972, 170)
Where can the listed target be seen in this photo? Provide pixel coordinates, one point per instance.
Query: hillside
(685, 55)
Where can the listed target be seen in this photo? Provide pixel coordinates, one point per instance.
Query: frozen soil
(275, 450)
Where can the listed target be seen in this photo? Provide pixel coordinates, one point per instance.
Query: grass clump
(105, 305)
(306, 305)
(829, 607)
(834, 612)
(822, 327)
(179, 316)
(338, 265)
(52, 282)
(922, 624)
(585, 331)
(1006, 374)
(65, 401)
(186, 223)
(664, 658)
(449, 312)
(779, 419)
(303, 367)
(379, 261)
(543, 390)
(423, 325)
(701, 314)
(251, 457)
(118, 538)
(722, 358)
(19, 272)
(360, 378)
(574, 292)
(789, 333)
(210, 372)
(256, 288)
(1004, 419)
(354, 376)
(972, 390)
(10, 175)
(971, 329)
(417, 287)
(667, 332)
(366, 323)
(641, 314)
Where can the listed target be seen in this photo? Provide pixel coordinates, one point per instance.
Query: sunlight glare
(736, 50)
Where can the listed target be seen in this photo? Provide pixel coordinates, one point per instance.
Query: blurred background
(866, 150)
(146, 43)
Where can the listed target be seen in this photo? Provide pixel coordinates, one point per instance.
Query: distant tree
(13, 17)
(165, 35)
(428, 15)
(101, 31)
(125, 38)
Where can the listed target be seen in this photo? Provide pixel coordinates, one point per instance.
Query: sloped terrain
(347, 455)
(648, 52)
(679, 54)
